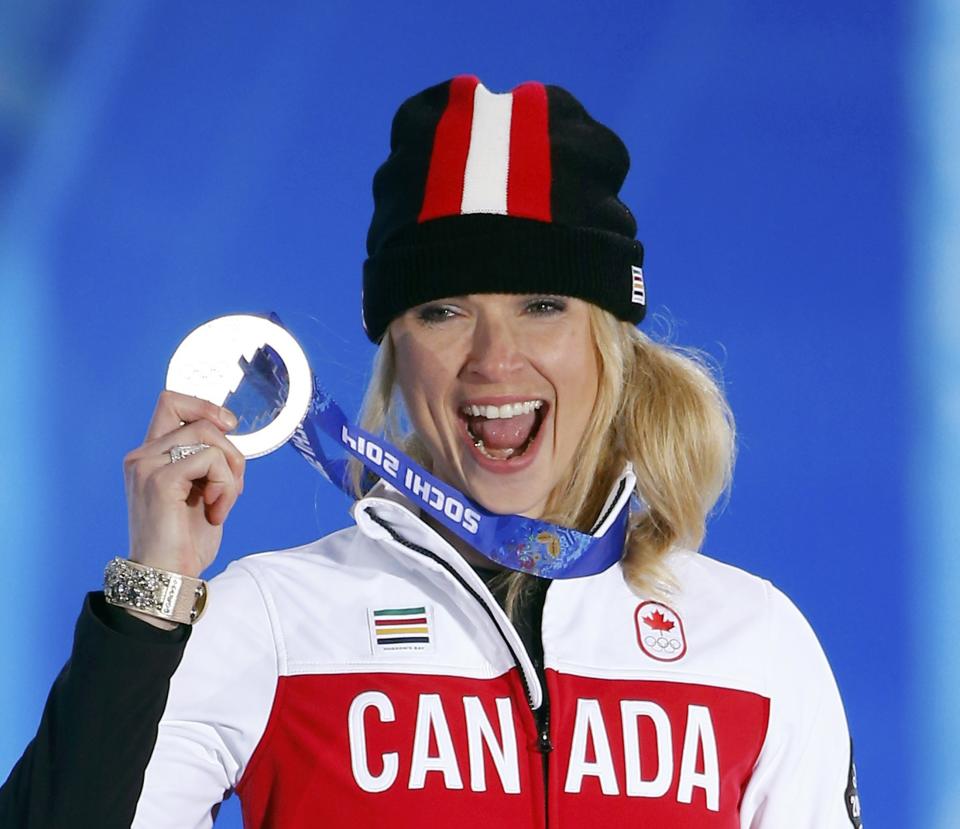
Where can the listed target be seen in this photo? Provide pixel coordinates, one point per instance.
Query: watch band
(155, 592)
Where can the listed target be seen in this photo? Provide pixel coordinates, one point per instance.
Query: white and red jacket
(370, 679)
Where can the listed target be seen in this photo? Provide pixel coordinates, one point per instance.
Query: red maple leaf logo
(657, 621)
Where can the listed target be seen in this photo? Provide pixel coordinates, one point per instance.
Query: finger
(204, 476)
(174, 409)
(219, 496)
(200, 431)
(219, 502)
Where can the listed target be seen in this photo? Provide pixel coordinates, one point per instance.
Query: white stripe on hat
(485, 174)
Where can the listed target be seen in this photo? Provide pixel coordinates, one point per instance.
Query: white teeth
(504, 411)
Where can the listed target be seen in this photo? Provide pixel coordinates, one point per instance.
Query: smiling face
(500, 388)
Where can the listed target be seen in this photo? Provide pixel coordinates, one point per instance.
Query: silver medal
(255, 368)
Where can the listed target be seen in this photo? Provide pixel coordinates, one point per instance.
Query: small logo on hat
(660, 632)
(638, 294)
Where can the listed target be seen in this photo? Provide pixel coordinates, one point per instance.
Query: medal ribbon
(514, 541)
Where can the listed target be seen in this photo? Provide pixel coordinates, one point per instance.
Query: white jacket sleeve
(804, 776)
(219, 703)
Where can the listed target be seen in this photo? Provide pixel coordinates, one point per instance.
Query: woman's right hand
(176, 510)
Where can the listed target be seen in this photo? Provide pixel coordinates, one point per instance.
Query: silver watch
(155, 592)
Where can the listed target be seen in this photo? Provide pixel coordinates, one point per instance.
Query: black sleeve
(85, 767)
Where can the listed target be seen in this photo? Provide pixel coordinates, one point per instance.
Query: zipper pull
(543, 742)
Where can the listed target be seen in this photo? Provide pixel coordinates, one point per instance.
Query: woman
(390, 672)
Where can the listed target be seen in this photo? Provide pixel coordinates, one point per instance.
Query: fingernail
(228, 417)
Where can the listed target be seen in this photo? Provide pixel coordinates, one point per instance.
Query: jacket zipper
(545, 746)
(544, 743)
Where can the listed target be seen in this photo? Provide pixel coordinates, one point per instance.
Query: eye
(435, 313)
(545, 305)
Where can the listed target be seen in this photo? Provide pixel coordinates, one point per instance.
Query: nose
(494, 353)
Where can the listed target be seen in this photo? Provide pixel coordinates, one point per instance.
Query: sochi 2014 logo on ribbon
(660, 632)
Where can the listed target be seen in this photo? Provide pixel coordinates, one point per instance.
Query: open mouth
(505, 431)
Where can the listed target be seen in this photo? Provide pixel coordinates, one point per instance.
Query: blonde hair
(658, 406)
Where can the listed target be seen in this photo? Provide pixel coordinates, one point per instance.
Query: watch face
(255, 368)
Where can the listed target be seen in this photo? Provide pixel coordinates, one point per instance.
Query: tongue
(503, 433)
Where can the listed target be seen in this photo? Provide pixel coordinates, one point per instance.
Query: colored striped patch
(639, 293)
(400, 628)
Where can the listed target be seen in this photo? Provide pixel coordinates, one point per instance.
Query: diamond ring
(178, 453)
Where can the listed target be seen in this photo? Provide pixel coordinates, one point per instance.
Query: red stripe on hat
(528, 179)
(451, 142)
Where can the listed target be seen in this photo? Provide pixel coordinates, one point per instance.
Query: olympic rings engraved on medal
(178, 453)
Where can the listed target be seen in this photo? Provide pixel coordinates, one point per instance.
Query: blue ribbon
(514, 541)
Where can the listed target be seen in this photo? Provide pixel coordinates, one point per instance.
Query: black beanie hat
(508, 193)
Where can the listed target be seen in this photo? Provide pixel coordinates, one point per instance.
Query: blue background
(795, 187)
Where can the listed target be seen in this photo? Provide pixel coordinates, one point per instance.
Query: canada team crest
(660, 632)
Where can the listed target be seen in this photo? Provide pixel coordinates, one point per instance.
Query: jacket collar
(386, 516)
